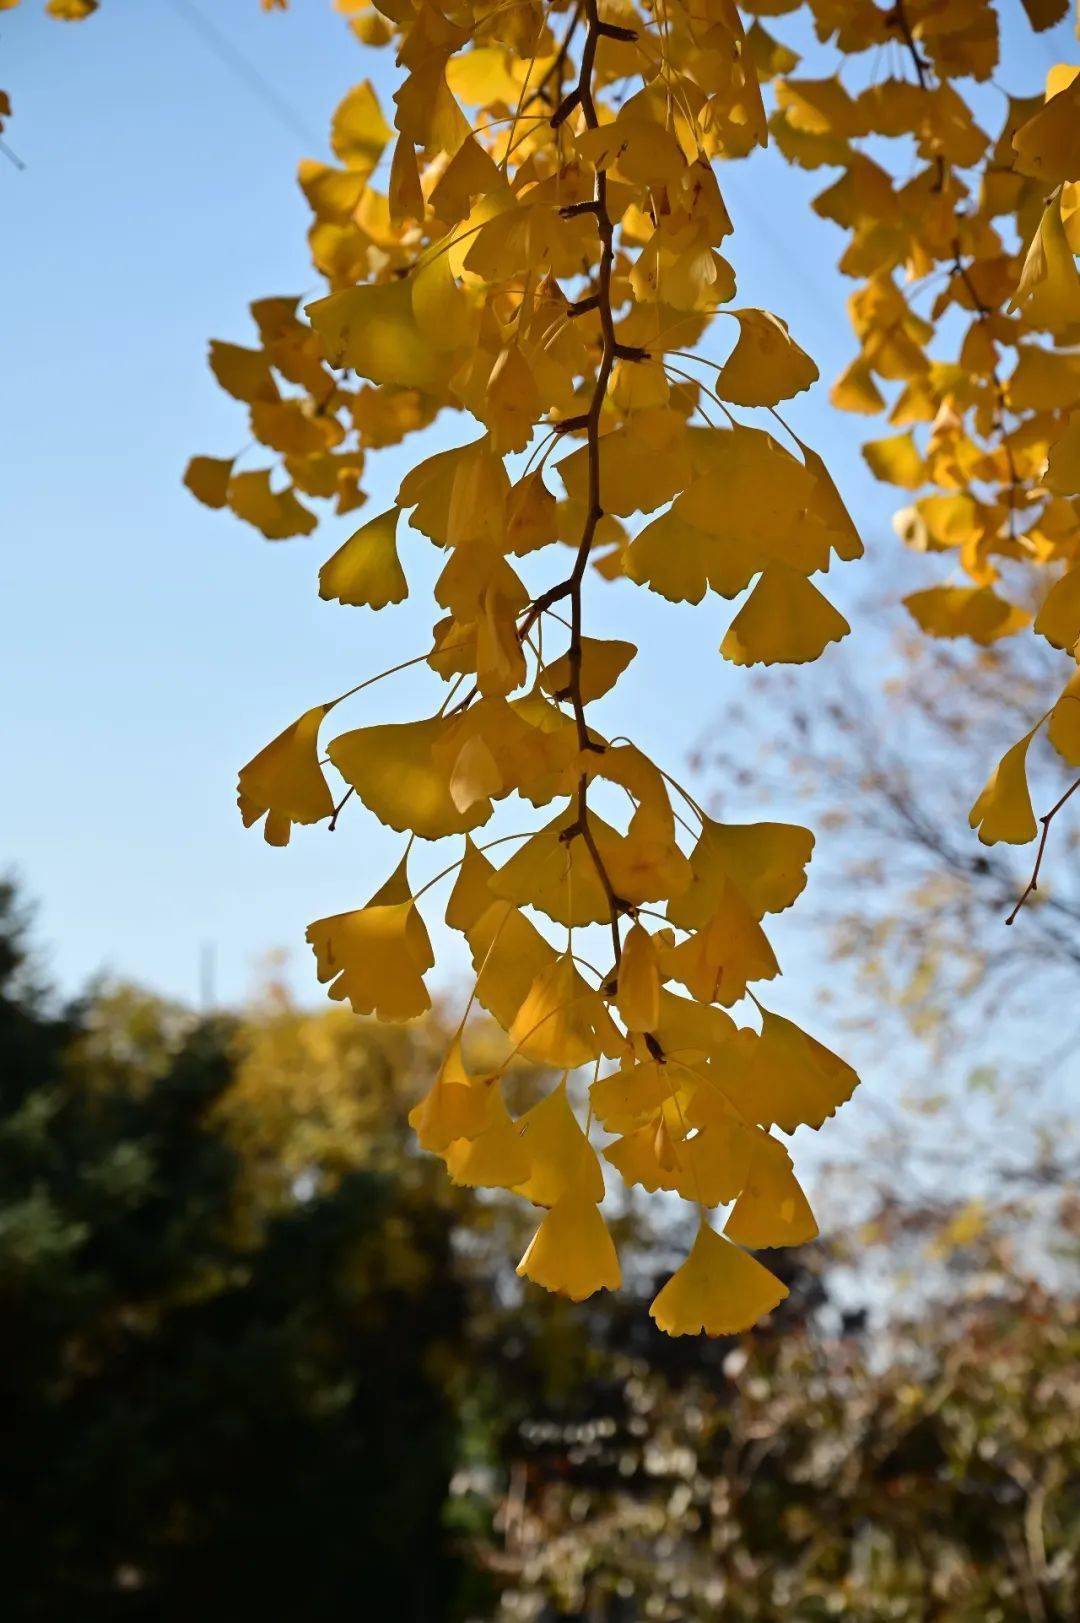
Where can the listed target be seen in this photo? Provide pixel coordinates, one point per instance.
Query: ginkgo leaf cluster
(966, 311)
(529, 241)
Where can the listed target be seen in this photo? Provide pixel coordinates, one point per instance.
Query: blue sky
(151, 646)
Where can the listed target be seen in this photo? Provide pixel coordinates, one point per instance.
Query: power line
(238, 64)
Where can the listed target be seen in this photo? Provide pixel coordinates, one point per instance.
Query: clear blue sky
(150, 646)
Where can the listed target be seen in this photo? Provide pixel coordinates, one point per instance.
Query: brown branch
(339, 808)
(582, 96)
(540, 605)
(555, 71)
(898, 18)
(1046, 819)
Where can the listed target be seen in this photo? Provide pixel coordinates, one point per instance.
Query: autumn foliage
(531, 241)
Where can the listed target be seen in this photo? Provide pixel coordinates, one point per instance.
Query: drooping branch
(582, 96)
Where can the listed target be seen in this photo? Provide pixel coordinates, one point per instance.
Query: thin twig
(1046, 819)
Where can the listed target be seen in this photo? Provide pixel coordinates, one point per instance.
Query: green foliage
(202, 1426)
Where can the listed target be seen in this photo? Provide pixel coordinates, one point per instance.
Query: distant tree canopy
(260, 1357)
(199, 1420)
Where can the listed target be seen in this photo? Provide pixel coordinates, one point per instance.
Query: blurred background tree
(915, 903)
(225, 1390)
(259, 1356)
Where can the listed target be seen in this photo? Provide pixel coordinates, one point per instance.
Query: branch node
(565, 107)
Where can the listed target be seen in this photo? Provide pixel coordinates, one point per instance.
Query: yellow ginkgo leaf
(358, 131)
(277, 514)
(456, 1105)
(896, 461)
(285, 781)
(719, 1289)
(475, 774)
(631, 1095)
(712, 1166)
(377, 955)
(690, 1031)
(1048, 293)
(207, 477)
(638, 988)
(496, 1158)
(828, 505)
(643, 464)
(441, 307)
(512, 403)
(730, 949)
(495, 747)
(680, 561)
(484, 75)
(636, 146)
(794, 1079)
(603, 661)
(478, 492)
(769, 56)
(1058, 620)
(772, 1209)
(1063, 728)
(785, 620)
(333, 194)
(855, 390)
(556, 875)
(766, 365)
(1003, 810)
(1063, 465)
(560, 1156)
(563, 1022)
(766, 862)
(935, 523)
(392, 770)
(405, 195)
(531, 519)
(243, 373)
(366, 568)
(572, 1252)
(645, 864)
(965, 611)
(508, 952)
(290, 427)
(1044, 380)
(1048, 145)
(500, 658)
(426, 109)
(374, 330)
(634, 1157)
(471, 173)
